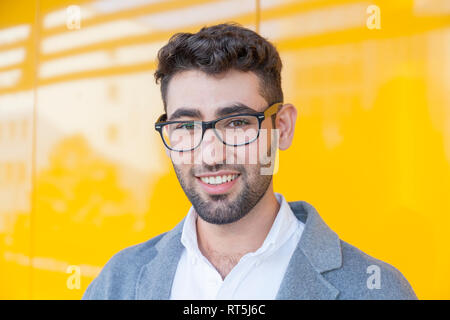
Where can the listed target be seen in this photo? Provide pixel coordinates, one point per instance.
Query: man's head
(220, 48)
(223, 70)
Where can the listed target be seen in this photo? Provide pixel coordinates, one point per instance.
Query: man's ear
(285, 123)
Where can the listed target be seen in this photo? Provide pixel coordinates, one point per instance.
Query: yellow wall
(83, 173)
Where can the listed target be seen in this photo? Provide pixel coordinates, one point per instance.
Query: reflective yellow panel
(371, 150)
(102, 181)
(17, 60)
(83, 174)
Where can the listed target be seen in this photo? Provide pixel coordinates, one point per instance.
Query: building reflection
(82, 173)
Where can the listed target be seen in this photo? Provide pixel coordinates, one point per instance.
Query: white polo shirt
(257, 275)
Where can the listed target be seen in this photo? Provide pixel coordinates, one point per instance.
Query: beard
(221, 208)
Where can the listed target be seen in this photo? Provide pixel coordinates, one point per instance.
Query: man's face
(194, 95)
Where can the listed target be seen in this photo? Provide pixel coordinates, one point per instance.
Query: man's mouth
(216, 180)
(218, 183)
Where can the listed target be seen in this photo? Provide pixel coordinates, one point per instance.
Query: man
(224, 117)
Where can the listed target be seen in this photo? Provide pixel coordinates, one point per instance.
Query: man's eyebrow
(235, 108)
(185, 112)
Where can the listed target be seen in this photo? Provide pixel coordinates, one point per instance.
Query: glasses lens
(183, 136)
(238, 130)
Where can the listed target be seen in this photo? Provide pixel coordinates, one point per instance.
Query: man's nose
(211, 150)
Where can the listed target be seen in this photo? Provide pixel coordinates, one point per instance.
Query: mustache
(217, 167)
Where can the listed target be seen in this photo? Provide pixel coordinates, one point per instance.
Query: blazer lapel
(302, 282)
(318, 251)
(156, 277)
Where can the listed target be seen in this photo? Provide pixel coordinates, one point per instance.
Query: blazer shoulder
(117, 279)
(364, 277)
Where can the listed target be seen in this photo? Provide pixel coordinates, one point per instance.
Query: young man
(224, 116)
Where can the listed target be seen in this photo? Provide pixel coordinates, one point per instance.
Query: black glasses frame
(270, 111)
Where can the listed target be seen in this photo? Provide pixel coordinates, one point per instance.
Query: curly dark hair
(220, 48)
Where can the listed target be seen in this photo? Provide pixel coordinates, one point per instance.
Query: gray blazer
(321, 267)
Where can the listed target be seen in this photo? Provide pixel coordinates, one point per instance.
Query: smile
(219, 182)
(216, 180)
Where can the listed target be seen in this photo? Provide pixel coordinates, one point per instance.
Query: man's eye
(236, 123)
(188, 126)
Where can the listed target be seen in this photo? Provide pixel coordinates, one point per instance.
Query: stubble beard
(221, 208)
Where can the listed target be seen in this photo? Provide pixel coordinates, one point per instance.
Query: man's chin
(218, 197)
(207, 196)
(215, 208)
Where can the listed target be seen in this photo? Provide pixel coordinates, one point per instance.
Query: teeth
(219, 179)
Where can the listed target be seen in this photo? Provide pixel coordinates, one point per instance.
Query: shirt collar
(284, 225)
(189, 233)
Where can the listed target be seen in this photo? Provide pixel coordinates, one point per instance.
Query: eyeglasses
(233, 130)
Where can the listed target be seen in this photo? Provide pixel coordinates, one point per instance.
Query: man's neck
(224, 245)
